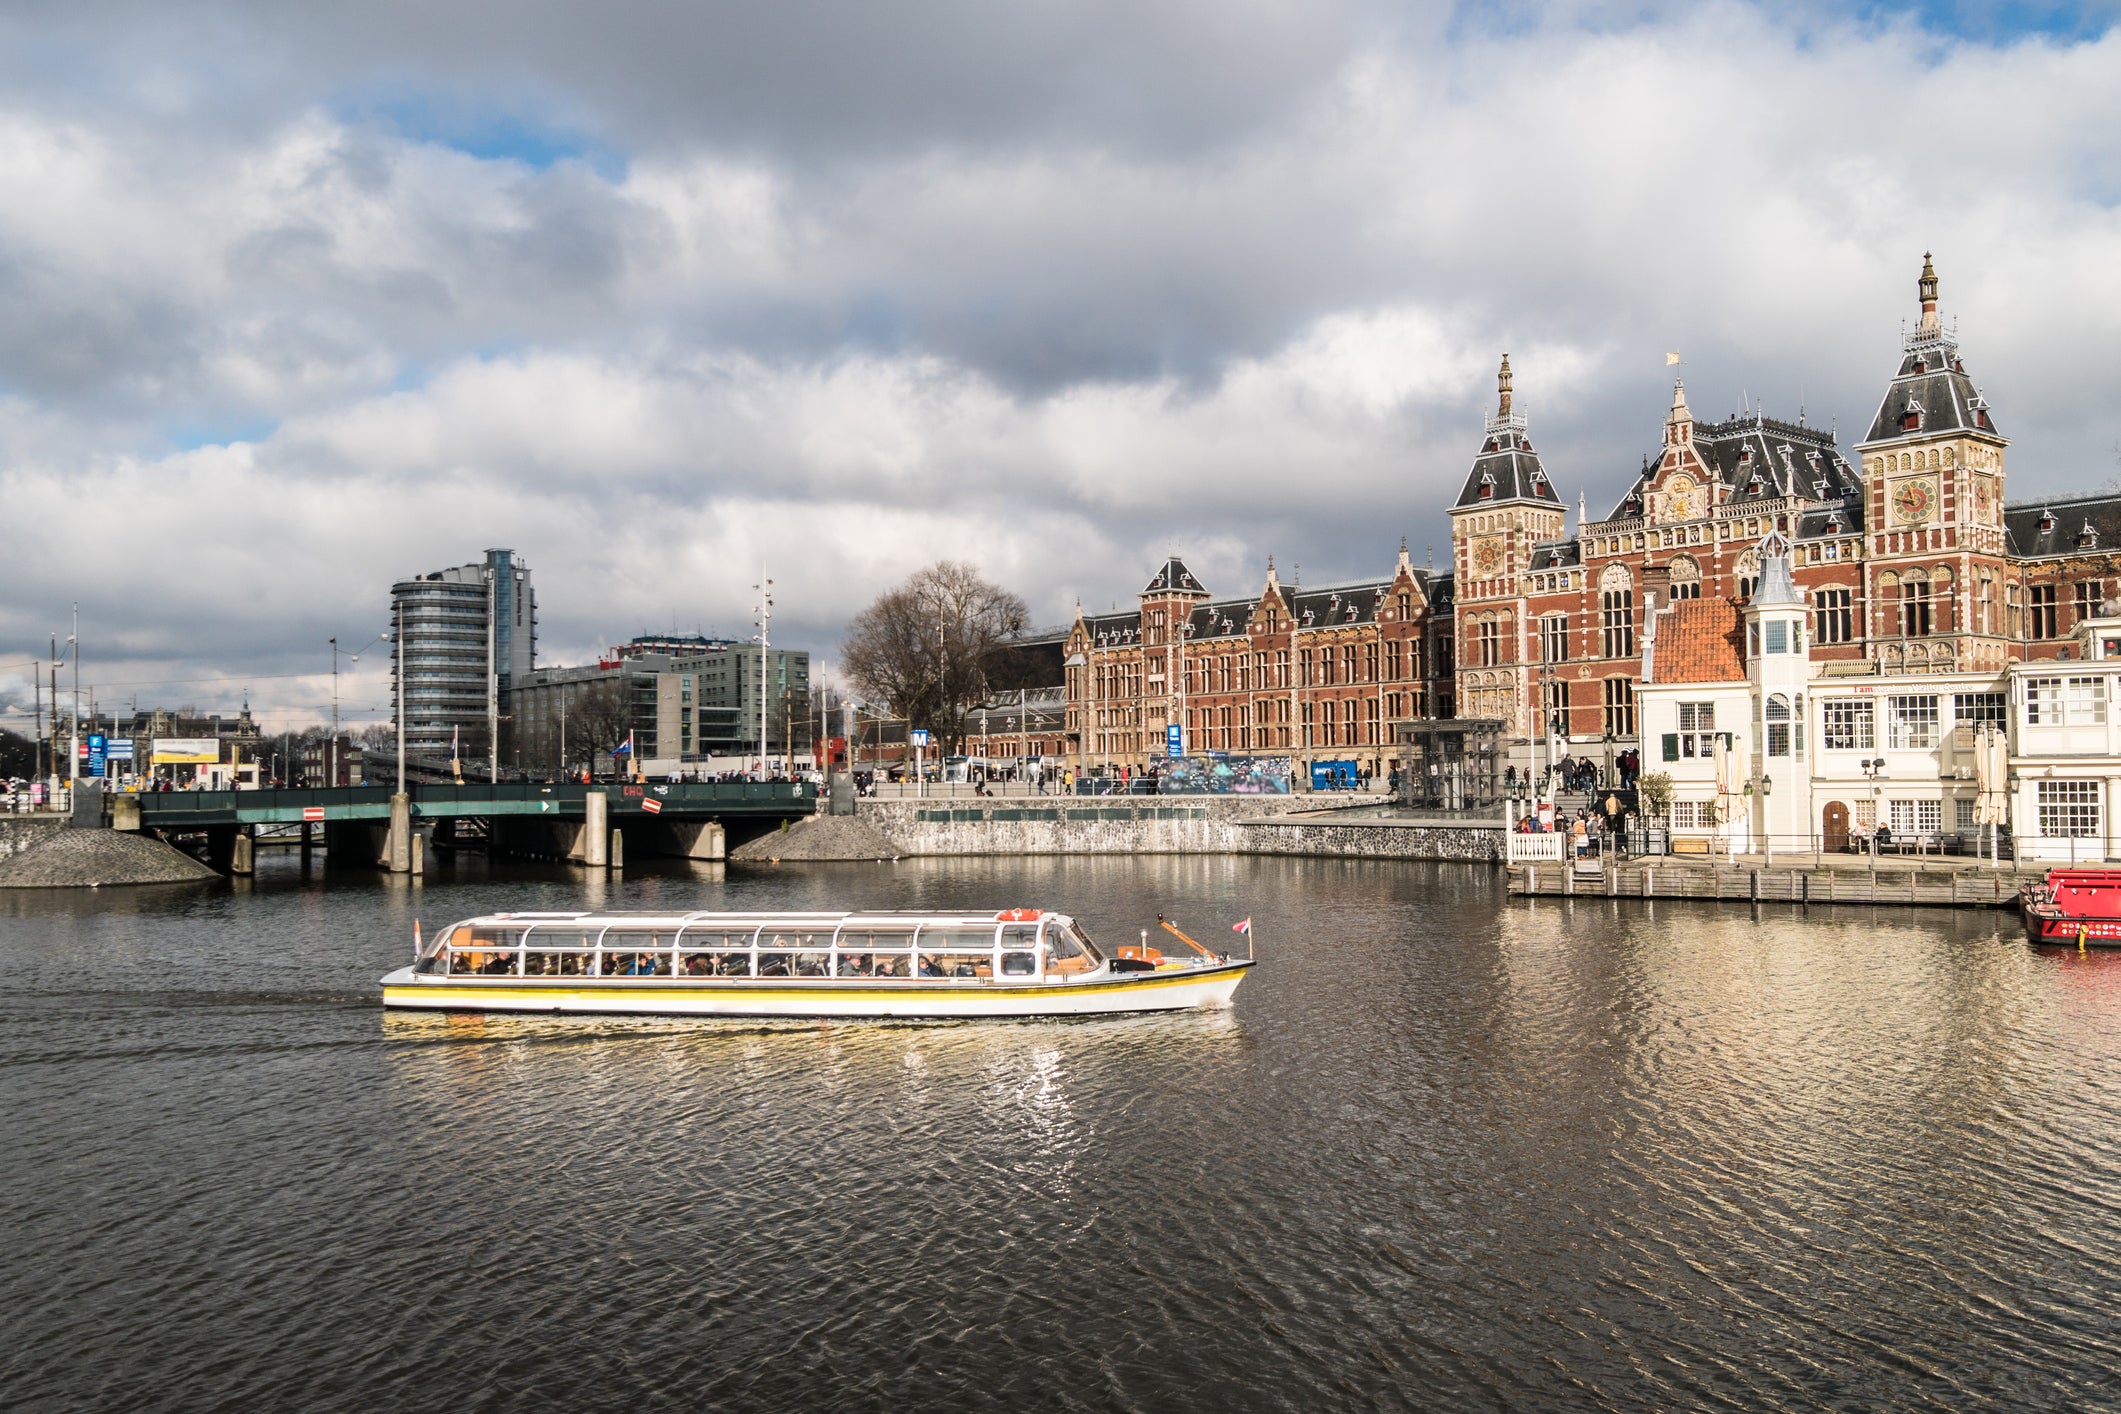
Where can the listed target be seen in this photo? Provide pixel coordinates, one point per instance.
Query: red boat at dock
(2074, 906)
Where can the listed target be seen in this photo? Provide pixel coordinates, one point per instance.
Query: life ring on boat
(1022, 915)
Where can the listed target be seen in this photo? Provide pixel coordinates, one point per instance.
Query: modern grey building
(465, 636)
(684, 700)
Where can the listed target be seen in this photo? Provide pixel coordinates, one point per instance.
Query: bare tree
(927, 647)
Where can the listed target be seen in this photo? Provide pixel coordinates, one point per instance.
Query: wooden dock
(1756, 882)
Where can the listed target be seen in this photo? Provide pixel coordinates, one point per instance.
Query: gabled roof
(1506, 468)
(1701, 640)
(1758, 456)
(1175, 578)
(1931, 389)
(1557, 555)
(2069, 525)
(1325, 606)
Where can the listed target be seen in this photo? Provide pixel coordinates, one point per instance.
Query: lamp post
(355, 660)
(1767, 819)
(1873, 770)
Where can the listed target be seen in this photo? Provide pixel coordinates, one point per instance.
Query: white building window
(1686, 815)
(1915, 817)
(1911, 721)
(1975, 708)
(1847, 725)
(2069, 809)
(2087, 702)
(1963, 813)
(1778, 724)
(2043, 702)
(1697, 732)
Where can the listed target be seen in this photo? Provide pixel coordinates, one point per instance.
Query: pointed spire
(1677, 426)
(1926, 287)
(1406, 565)
(1273, 580)
(1502, 384)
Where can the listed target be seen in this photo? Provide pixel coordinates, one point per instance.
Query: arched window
(1778, 725)
(1616, 612)
(1748, 572)
(1915, 604)
(1686, 578)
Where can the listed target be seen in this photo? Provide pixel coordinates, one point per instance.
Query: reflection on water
(1448, 1150)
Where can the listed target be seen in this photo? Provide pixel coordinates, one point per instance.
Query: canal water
(1448, 1151)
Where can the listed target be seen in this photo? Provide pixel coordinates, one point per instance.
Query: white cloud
(1046, 329)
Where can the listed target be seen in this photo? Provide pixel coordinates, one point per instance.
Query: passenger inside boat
(1069, 953)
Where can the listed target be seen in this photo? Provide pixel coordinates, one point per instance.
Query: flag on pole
(415, 940)
(1670, 359)
(624, 748)
(1244, 927)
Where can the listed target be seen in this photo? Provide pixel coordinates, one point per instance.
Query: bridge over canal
(592, 824)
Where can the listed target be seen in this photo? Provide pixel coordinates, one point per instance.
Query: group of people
(1587, 828)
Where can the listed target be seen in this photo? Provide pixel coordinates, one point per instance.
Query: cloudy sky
(299, 299)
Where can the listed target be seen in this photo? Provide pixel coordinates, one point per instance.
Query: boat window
(956, 964)
(856, 964)
(491, 937)
(870, 939)
(958, 939)
(812, 964)
(1082, 940)
(1019, 964)
(1068, 952)
(1019, 935)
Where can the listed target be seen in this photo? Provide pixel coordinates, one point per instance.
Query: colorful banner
(186, 751)
(1227, 775)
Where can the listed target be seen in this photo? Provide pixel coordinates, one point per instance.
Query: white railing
(1534, 849)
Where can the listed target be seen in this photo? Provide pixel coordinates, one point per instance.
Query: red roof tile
(1701, 640)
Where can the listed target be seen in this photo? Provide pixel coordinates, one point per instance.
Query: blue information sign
(1174, 740)
(920, 736)
(98, 744)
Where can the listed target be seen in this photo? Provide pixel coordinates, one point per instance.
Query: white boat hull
(1176, 989)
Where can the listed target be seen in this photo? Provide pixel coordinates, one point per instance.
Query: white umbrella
(1739, 830)
(1723, 779)
(1984, 776)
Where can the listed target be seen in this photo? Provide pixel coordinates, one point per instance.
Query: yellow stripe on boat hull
(737, 997)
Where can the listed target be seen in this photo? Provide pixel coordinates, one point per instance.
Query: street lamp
(1873, 770)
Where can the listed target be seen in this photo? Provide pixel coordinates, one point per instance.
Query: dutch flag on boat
(1245, 927)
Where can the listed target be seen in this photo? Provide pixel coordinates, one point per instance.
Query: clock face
(1487, 556)
(1984, 500)
(1914, 501)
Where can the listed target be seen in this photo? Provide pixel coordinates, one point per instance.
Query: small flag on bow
(1244, 927)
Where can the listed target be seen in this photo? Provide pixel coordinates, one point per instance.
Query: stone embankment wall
(18, 833)
(1167, 825)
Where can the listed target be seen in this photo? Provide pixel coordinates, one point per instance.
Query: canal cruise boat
(2080, 907)
(1017, 963)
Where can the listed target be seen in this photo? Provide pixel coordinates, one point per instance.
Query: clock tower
(1506, 507)
(1932, 470)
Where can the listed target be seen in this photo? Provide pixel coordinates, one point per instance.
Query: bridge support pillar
(243, 857)
(309, 839)
(596, 830)
(698, 839)
(618, 849)
(398, 851)
(417, 850)
(125, 813)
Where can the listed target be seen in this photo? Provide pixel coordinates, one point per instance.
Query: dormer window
(2087, 538)
(2047, 521)
(1921, 366)
(1819, 488)
(1911, 417)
